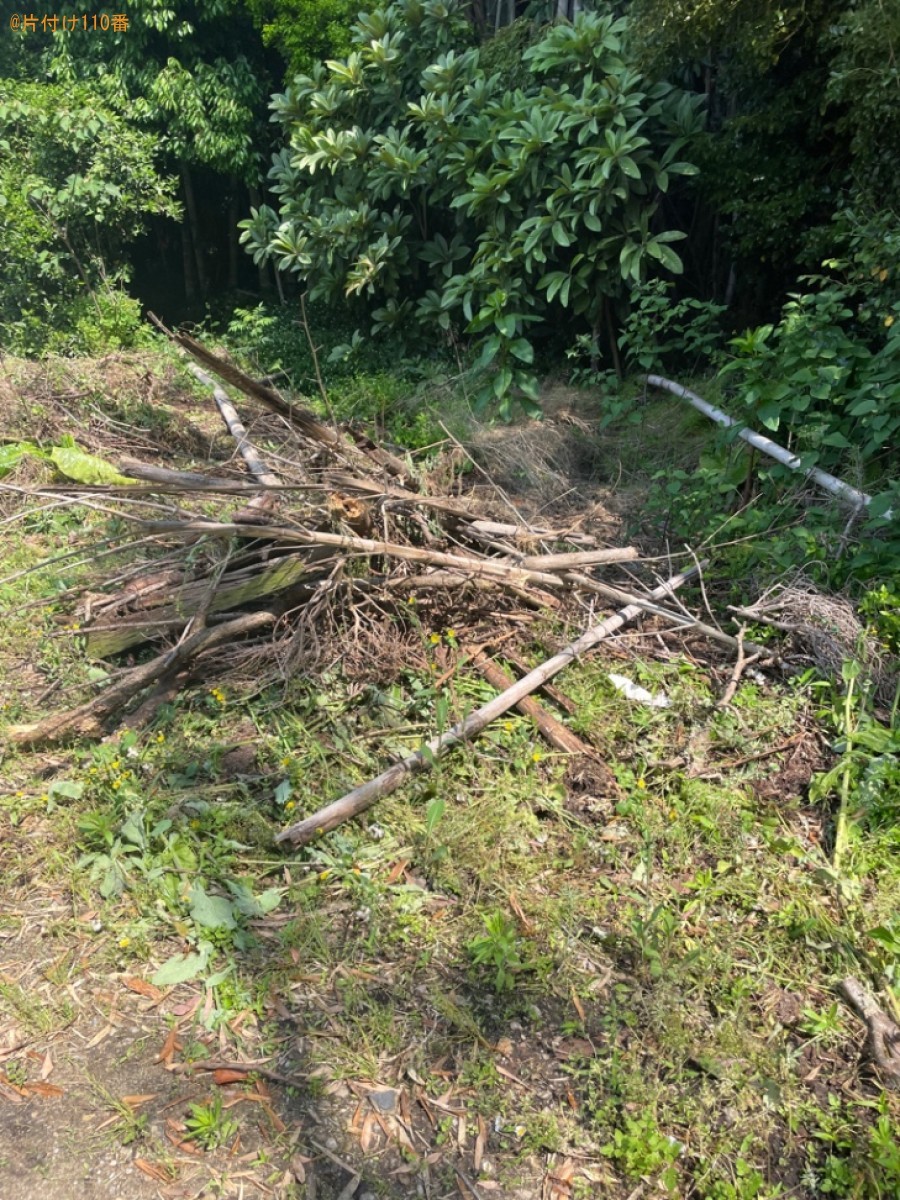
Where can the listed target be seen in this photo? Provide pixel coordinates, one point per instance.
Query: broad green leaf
(523, 350)
(630, 167)
(212, 912)
(66, 789)
(502, 380)
(433, 814)
(179, 969)
(13, 453)
(85, 468)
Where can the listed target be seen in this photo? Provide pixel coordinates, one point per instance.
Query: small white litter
(641, 695)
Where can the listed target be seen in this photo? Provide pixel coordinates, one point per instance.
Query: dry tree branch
(86, 720)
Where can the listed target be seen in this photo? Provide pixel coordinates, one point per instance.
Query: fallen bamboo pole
(830, 483)
(683, 620)
(551, 729)
(236, 428)
(367, 794)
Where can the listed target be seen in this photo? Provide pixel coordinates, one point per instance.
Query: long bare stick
(829, 483)
(688, 622)
(553, 731)
(884, 1034)
(365, 796)
(247, 450)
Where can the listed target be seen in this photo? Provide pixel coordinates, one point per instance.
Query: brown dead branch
(489, 567)
(298, 416)
(553, 731)
(369, 793)
(87, 720)
(883, 1041)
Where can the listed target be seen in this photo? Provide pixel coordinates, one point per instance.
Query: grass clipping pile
(327, 545)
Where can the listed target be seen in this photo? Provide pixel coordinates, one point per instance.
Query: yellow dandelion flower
(642, 783)
(285, 762)
(435, 639)
(451, 633)
(324, 874)
(508, 726)
(411, 600)
(888, 321)
(160, 737)
(116, 783)
(290, 804)
(536, 757)
(116, 763)
(124, 943)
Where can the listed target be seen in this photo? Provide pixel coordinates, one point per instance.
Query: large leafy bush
(415, 177)
(77, 182)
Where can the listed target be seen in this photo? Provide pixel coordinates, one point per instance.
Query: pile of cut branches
(278, 569)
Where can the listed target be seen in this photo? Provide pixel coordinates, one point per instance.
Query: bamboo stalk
(830, 483)
(583, 558)
(553, 731)
(682, 619)
(233, 423)
(367, 794)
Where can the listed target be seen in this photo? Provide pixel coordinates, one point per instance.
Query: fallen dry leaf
(170, 1045)
(367, 1136)
(480, 1143)
(223, 1075)
(47, 1090)
(143, 988)
(397, 870)
(151, 1170)
(46, 1065)
(138, 1100)
(579, 1007)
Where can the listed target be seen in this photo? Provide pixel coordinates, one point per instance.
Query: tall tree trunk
(187, 265)
(190, 205)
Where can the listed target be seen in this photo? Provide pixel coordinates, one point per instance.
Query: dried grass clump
(542, 458)
(825, 631)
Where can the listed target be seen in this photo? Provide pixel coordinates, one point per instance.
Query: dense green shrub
(415, 177)
(77, 182)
